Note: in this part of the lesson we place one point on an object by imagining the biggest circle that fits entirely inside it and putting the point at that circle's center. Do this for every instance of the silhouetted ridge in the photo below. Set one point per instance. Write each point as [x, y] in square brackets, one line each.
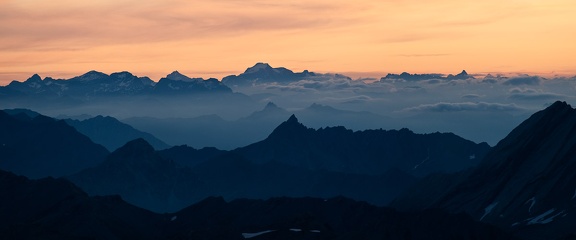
[51, 208]
[34, 78]
[291, 128]
[56, 209]
[366, 152]
[177, 76]
[135, 147]
[258, 67]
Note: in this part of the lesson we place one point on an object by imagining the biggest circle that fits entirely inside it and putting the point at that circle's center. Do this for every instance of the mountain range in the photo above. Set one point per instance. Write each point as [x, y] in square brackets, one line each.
[94, 84]
[371, 168]
[420, 77]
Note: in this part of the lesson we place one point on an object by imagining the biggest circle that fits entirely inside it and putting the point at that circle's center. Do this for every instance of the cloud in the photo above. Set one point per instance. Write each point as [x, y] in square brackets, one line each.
[523, 80]
[322, 82]
[533, 94]
[83, 24]
[463, 106]
[292, 88]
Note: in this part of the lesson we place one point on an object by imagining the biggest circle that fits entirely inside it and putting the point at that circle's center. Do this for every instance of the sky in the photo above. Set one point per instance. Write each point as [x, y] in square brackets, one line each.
[216, 38]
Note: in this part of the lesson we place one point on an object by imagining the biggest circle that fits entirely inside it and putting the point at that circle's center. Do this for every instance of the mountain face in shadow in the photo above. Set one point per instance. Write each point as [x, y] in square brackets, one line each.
[168, 180]
[188, 156]
[142, 177]
[41, 146]
[525, 184]
[234, 177]
[111, 133]
[364, 152]
[310, 218]
[56, 209]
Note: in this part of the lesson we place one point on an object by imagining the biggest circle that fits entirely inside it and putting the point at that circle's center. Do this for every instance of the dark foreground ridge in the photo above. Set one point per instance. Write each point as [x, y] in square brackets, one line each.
[526, 184]
[56, 209]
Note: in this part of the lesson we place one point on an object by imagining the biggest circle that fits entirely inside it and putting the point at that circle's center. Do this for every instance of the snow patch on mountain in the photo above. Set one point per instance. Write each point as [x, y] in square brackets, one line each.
[543, 218]
[253, 235]
[488, 210]
[532, 202]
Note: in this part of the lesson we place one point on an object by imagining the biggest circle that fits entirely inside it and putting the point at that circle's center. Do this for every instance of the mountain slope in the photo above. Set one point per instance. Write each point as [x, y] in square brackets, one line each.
[366, 152]
[111, 133]
[42, 146]
[56, 209]
[142, 177]
[233, 177]
[526, 183]
[155, 181]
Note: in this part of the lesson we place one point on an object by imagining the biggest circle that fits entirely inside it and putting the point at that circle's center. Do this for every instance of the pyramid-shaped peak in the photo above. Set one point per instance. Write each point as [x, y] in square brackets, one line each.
[270, 105]
[34, 78]
[258, 67]
[177, 76]
[292, 119]
[290, 127]
[463, 73]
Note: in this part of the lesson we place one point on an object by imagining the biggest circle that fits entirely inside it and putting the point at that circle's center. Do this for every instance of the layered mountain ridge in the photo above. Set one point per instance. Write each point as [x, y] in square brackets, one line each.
[56, 209]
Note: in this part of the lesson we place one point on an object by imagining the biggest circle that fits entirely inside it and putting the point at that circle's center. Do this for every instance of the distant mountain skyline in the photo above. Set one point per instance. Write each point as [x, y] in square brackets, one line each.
[273, 73]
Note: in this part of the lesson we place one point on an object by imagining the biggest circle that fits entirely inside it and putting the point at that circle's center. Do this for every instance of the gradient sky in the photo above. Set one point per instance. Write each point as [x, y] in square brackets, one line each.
[364, 38]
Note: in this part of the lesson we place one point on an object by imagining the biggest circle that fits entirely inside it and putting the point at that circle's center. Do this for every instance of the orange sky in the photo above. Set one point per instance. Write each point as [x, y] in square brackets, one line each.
[364, 38]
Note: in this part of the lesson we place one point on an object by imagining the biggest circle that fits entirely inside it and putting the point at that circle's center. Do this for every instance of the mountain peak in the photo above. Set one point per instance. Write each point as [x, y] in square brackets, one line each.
[270, 105]
[559, 105]
[292, 120]
[289, 130]
[122, 75]
[34, 78]
[177, 76]
[463, 73]
[258, 67]
[91, 75]
[138, 145]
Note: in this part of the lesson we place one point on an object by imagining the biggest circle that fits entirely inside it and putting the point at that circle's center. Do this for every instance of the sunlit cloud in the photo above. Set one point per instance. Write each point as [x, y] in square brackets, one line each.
[222, 36]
